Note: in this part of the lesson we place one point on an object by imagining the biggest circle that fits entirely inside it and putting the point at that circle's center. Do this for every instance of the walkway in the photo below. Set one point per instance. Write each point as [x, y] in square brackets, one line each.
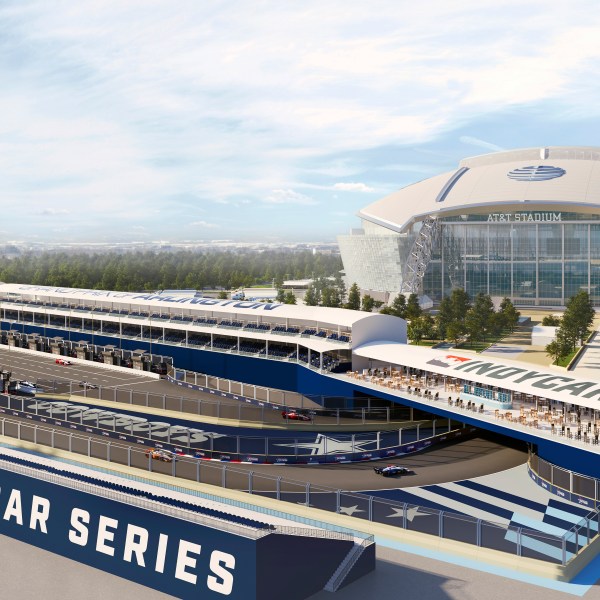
[588, 364]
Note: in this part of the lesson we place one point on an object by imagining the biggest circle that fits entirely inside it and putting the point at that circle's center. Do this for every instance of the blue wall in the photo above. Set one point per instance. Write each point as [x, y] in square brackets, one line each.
[293, 377]
[63, 501]
[258, 371]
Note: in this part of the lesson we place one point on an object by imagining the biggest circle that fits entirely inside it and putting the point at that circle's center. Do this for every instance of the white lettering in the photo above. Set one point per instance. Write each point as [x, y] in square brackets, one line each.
[135, 546]
[104, 535]
[184, 561]
[40, 511]
[223, 582]
[13, 507]
[79, 534]
[161, 553]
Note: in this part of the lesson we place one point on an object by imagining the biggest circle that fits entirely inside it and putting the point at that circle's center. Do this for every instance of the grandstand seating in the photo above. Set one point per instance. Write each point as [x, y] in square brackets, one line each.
[252, 347]
[125, 489]
[258, 326]
[224, 343]
[198, 339]
[57, 321]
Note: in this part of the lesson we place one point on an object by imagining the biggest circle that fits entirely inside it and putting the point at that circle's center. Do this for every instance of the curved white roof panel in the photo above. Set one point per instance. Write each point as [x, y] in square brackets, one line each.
[264, 311]
[547, 179]
[547, 382]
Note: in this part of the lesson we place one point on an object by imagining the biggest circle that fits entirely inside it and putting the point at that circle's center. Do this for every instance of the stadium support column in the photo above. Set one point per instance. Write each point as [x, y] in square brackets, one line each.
[320, 361]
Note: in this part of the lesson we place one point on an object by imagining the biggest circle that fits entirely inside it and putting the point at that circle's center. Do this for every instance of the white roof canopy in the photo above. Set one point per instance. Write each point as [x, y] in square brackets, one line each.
[546, 382]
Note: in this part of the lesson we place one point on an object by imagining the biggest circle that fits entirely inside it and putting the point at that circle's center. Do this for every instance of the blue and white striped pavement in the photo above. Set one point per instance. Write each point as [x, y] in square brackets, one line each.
[509, 498]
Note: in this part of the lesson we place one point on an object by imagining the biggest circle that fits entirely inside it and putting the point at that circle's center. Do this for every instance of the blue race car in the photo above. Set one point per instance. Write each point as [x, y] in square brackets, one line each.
[391, 470]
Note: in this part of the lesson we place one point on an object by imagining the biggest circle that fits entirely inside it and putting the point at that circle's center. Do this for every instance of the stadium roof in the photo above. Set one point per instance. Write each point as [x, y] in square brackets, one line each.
[545, 382]
[534, 179]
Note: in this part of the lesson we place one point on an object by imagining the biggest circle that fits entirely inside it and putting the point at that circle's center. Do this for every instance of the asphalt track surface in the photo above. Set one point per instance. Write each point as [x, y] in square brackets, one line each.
[468, 458]
[33, 573]
[131, 386]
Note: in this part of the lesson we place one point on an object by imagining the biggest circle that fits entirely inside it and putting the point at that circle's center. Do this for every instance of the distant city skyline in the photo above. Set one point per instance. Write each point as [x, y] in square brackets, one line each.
[270, 122]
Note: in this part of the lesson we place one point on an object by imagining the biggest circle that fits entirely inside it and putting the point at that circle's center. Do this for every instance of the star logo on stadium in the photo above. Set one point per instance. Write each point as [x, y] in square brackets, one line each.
[538, 173]
[328, 445]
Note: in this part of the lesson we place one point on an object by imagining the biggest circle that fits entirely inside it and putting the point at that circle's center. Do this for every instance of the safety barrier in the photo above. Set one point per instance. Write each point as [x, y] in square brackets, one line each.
[577, 488]
[242, 408]
[520, 541]
[182, 437]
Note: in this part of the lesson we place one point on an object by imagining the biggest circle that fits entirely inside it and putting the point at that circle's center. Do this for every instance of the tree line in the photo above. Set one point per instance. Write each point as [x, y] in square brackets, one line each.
[149, 270]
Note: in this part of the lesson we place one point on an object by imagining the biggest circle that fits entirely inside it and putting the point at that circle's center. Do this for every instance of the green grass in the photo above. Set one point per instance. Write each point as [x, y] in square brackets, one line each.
[477, 346]
[480, 346]
[426, 343]
[565, 360]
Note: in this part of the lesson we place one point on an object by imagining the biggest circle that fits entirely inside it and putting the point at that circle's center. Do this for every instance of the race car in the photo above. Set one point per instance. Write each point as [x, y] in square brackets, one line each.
[159, 454]
[391, 470]
[87, 385]
[293, 415]
[63, 361]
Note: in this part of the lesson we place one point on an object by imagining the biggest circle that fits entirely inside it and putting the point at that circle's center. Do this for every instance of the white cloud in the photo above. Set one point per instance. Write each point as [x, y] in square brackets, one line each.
[205, 224]
[288, 197]
[473, 141]
[54, 211]
[229, 102]
[352, 187]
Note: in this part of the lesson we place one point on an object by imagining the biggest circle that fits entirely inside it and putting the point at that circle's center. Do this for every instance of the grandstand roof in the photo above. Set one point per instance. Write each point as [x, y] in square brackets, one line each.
[188, 304]
[546, 382]
[482, 185]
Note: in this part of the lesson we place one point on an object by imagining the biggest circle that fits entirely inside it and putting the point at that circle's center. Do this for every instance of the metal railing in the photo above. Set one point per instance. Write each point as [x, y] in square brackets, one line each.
[301, 446]
[228, 404]
[520, 541]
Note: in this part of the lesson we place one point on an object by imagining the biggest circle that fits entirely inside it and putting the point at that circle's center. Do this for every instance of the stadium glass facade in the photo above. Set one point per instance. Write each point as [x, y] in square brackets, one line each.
[524, 224]
[541, 262]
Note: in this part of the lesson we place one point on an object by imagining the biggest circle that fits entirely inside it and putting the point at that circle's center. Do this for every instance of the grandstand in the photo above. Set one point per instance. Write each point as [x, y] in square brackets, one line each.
[314, 338]
[140, 520]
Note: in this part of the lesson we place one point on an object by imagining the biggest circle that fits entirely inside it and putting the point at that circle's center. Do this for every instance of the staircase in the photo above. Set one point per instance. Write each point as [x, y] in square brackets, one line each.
[420, 255]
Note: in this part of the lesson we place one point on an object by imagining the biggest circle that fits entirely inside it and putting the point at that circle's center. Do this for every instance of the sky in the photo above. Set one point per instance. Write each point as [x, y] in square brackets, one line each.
[270, 121]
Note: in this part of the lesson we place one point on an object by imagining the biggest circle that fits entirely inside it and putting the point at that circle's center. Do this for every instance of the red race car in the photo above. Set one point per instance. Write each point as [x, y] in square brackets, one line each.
[293, 415]
[63, 361]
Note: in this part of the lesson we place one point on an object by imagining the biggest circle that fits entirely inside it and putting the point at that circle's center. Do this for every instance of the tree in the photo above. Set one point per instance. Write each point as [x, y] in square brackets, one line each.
[413, 308]
[368, 303]
[452, 314]
[510, 314]
[330, 297]
[311, 298]
[289, 298]
[444, 317]
[280, 295]
[579, 316]
[551, 321]
[478, 320]
[398, 306]
[222, 295]
[559, 347]
[420, 328]
[353, 297]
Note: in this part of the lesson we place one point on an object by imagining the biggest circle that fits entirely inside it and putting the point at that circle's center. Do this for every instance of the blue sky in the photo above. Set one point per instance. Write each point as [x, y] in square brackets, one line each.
[268, 120]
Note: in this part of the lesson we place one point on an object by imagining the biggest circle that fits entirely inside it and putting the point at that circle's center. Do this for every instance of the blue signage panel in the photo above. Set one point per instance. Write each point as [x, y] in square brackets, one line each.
[177, 557]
